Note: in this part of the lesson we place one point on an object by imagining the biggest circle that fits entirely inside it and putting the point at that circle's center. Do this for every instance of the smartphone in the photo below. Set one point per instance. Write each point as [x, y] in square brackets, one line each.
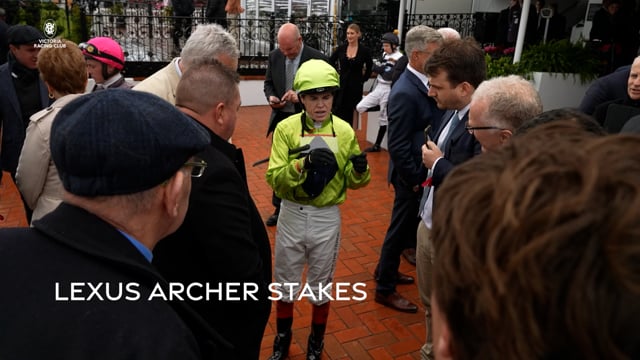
[427, 138]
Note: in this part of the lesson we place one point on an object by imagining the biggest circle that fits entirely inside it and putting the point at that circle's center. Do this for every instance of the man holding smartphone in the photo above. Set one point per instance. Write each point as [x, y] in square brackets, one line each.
[455, 70]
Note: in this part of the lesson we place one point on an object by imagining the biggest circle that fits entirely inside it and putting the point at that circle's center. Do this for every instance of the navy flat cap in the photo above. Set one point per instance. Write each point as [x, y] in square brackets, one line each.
[23, 34]
[120, 141]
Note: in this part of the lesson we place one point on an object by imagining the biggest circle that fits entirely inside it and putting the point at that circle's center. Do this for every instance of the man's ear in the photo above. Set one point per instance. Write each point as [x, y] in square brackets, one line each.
[466, 89]
[219, 113]
[172, 191]
[505, 136]
[442, 346]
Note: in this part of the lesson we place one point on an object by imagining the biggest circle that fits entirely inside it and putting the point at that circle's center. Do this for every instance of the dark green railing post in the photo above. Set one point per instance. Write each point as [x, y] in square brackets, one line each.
[68, 15]
[150, 20]
[84, 26]
[272, 32]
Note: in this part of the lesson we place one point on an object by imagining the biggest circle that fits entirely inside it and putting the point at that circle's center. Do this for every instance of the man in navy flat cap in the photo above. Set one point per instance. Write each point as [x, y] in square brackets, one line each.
[80, 283]
[23, 92]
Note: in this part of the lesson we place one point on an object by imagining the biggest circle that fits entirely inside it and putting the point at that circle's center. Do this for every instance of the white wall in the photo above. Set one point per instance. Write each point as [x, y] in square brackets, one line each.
[556, 91]
[441, 7]
[457, 6]
[489, 5]
[251, 92]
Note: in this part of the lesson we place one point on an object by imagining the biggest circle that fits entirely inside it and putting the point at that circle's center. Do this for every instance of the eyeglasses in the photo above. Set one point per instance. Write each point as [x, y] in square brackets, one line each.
[93, 51]
[197, 167]
[471, 129]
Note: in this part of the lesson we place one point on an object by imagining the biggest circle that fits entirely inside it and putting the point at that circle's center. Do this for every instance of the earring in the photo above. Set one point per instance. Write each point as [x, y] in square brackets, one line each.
[50, 96]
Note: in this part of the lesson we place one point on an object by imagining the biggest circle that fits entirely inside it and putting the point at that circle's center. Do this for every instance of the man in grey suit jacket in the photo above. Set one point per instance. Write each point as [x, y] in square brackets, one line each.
[278, 85]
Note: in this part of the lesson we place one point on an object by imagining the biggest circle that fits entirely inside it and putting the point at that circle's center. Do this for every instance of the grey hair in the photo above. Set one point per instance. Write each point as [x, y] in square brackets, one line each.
[449, 33]
[209, 41]
[207, 77]
[128, 205]
[419, 36]
[511, 100]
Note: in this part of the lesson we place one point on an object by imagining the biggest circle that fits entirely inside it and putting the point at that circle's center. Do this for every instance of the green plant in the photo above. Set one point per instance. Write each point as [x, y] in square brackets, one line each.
[117, 9]
[35, 13]
[561, 57]
[502, 66]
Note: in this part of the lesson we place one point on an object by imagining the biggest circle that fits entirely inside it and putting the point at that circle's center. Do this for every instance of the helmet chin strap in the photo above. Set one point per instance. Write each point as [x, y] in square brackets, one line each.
[303, 120]
[105, 74]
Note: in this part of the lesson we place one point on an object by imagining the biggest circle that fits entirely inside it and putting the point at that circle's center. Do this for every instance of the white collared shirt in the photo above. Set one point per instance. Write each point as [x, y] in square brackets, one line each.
[427, 211]
[421, 76]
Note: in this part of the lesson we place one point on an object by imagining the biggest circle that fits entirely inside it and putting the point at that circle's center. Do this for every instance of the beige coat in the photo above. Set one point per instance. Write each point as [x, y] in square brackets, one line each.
[37, 176]
[162, 83]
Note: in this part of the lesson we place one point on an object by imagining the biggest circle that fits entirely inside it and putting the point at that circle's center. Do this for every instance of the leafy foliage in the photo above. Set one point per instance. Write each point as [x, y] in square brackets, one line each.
[35, 13]
[502, 66]
[560, 56]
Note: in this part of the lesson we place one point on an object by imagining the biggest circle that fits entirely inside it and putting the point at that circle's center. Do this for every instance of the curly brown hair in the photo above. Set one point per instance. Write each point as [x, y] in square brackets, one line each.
[538, 249]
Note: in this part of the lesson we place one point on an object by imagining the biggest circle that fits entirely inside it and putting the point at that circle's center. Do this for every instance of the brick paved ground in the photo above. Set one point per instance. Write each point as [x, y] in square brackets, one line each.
[357, 329]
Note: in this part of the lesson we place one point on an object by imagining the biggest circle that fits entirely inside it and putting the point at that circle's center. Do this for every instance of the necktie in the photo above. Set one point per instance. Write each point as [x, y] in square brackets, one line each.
[447, 131]
[289, 74]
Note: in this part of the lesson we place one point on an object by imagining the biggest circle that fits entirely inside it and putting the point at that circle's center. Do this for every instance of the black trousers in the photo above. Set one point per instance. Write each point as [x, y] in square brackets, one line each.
[402, 229]
[181, 27]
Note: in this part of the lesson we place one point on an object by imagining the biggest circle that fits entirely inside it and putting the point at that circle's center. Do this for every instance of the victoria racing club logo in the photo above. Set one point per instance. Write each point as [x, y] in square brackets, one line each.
[50, 28]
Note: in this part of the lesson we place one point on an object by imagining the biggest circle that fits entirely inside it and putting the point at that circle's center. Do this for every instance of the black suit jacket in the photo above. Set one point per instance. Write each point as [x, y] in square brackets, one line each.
[401, 65]
[410, 110]
[68, 245]
[274, 81]
[612, 119]
[609, 87]
[461, 146]
[223, 240]
[13, 128]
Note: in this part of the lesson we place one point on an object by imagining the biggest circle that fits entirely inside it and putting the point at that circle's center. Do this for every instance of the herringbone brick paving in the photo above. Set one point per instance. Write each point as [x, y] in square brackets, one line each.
[357, 330]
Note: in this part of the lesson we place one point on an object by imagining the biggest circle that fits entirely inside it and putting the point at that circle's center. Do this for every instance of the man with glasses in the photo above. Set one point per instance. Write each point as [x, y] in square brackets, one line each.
[541, 238]
[85, 279]
[455, 71]
[223, 239]
[499, 106]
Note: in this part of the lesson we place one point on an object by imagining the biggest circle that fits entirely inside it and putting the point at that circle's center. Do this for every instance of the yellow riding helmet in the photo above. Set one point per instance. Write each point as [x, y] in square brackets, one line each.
[316, 76]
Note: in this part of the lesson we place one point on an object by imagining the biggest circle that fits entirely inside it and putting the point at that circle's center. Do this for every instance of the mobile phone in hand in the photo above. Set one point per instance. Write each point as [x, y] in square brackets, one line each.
[427, 138]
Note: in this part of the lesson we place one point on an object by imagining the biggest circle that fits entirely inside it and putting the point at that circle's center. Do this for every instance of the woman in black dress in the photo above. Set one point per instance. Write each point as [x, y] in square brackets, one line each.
[353, 62]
